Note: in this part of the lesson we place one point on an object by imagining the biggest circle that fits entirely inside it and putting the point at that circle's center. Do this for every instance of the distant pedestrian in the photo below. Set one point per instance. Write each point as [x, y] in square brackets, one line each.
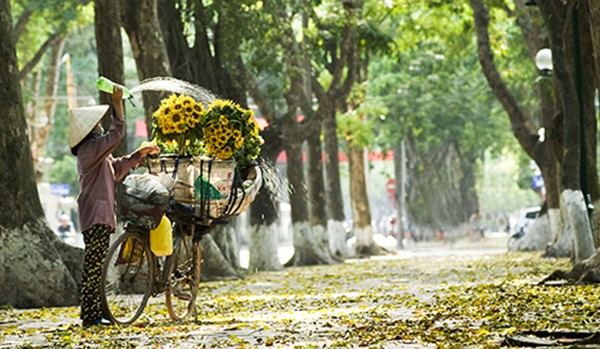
[98, 173]
[440, 233]
[65, 229]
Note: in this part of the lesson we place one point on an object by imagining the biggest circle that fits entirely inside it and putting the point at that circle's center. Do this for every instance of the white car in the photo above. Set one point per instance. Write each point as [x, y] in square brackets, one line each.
[525, 217]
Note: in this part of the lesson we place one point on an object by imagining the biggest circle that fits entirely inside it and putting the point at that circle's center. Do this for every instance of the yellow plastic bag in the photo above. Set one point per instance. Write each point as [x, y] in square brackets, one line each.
[161, 238]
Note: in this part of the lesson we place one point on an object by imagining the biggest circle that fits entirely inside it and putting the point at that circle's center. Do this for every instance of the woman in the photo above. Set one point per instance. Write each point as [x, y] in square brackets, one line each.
[98, 173]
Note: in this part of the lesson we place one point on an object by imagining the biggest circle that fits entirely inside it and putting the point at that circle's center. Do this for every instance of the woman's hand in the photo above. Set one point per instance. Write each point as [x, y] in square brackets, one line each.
[117, 97]
[148, 148]
[117, 94]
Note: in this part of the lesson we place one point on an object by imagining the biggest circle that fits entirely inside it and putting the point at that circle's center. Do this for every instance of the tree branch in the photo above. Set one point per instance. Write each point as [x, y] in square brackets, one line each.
[21, 23]
[38, 55]
[522, 126]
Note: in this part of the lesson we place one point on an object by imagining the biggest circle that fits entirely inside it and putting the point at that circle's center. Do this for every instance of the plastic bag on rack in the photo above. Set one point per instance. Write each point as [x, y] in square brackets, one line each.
[143, 199]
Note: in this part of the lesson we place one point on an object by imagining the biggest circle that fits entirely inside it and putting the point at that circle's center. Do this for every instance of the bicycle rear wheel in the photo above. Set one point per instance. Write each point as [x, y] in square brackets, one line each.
[127, 278]
[182, 272]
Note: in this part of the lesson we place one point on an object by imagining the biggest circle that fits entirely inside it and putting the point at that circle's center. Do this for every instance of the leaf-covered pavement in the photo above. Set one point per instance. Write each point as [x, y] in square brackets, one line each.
[430, 299]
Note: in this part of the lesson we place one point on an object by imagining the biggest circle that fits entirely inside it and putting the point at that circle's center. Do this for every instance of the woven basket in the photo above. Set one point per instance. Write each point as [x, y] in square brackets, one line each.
[186, 171]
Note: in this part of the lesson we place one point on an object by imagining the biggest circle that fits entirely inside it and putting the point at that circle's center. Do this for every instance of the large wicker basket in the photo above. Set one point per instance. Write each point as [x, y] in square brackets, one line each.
[229, 194]
[187, 171]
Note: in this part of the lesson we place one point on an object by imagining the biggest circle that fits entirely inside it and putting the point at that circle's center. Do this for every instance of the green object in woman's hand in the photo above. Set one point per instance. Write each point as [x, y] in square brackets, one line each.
[108, 86]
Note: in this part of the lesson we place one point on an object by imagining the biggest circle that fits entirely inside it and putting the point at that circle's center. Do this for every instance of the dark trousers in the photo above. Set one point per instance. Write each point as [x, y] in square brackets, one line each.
[96, 240]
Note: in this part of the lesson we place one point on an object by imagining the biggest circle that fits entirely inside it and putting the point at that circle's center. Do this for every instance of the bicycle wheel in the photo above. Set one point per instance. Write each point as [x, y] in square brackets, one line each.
[127, 278]
[182, 272]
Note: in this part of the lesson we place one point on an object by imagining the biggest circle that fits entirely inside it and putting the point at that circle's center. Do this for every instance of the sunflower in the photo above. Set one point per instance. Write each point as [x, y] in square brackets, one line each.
[177, 119]
[230, 131]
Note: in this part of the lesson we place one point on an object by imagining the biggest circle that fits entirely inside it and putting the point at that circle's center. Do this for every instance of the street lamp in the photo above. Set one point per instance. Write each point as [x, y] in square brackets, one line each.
[543, 61]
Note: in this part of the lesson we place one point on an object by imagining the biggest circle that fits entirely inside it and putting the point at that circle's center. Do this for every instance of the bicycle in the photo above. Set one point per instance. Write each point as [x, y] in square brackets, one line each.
[132, 273]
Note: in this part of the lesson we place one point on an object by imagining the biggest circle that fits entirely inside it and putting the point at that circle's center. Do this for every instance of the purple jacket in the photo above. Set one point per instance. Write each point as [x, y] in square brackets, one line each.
[98, 174]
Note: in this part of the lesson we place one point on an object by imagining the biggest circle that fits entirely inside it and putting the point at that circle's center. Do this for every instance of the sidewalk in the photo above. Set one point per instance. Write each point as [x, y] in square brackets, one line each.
[304, 307]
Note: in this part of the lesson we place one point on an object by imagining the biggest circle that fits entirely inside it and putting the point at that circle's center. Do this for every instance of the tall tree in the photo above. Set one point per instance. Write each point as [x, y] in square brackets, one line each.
[570, 93]
[335, 47]
[30, 252]
[557, 22]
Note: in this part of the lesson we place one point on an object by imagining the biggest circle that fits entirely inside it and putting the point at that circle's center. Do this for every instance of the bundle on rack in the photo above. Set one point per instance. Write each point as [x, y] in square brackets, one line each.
[204, 151]
[143, 199]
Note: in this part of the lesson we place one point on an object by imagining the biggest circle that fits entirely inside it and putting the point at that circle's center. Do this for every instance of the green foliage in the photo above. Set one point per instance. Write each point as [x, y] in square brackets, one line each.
[64, 170]
[47, 18]
[356, 125]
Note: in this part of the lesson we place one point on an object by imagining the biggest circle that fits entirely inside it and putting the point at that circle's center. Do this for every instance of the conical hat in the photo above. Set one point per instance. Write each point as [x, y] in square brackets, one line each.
[82, 121]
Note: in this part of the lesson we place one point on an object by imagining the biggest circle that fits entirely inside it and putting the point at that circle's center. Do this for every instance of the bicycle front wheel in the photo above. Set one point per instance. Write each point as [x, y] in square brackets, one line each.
[183, 276]
[127, 278]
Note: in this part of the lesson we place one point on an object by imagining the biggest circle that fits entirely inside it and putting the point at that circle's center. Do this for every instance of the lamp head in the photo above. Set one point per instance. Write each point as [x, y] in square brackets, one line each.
[543, 60]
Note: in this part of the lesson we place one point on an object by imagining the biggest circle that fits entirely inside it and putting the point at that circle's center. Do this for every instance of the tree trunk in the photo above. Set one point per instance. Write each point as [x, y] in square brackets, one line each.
[34, 274]
[264, 214]
[264, 211]
[435, 197]
[204, 62]
[316, 186]
[594, 23]
[568, 90]
[140, 20]
[590, 184]
[308, 247]
[110, 54]
[545, 155]
[226, 237]
[400, 181]
[361, 214]
[344, 69]
[32, 84]
[335, 202]
[217, 267]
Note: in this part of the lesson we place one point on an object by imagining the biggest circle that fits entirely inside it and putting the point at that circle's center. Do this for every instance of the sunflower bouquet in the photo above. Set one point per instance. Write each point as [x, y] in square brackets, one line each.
[203, 148]
[231, 132]
[176, 125]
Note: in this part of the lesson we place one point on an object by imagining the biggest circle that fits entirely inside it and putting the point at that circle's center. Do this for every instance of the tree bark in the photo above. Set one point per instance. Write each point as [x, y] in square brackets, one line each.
[363, 231]
[594, 23]
[109, 45]
[316, 181]
[335, 202]
[264, 211]
[216, 267]
[27, 255]
[140, 20]
[227, 239]
[212, 60]
[400, 181]
[567, 89]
